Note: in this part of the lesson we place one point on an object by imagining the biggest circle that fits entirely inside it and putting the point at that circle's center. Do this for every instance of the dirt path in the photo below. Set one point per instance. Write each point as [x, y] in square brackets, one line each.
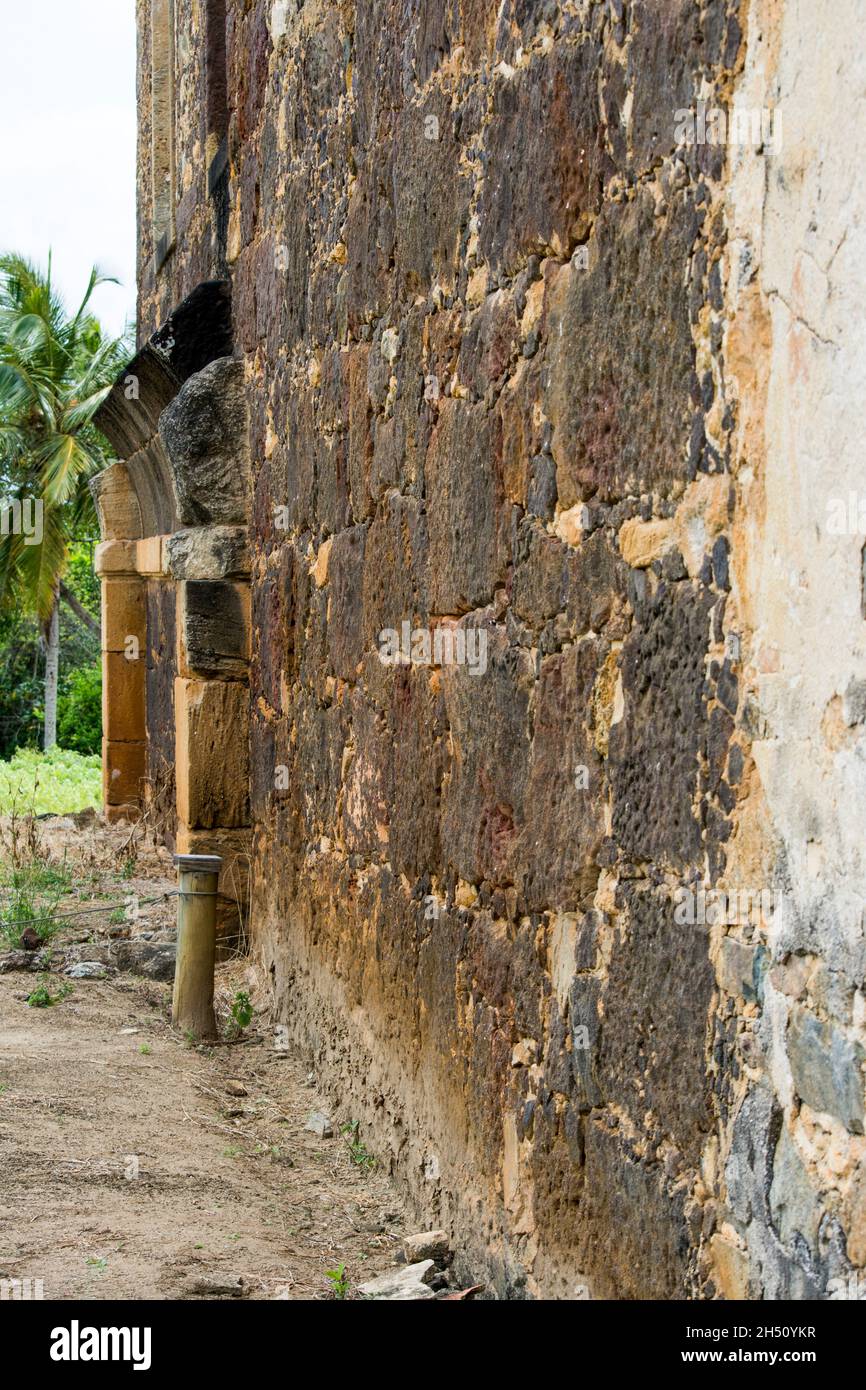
[129, 1170]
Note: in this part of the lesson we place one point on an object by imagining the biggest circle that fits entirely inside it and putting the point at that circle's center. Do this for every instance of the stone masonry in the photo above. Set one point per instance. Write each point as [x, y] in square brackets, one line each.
[531, 329]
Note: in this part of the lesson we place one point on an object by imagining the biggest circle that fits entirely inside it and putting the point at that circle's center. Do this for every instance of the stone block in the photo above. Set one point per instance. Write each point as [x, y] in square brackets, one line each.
[212, 753]
[467, 516]
[124, 615]
[827, 1068]
[542, 141]
[641, 542]
[736, 968]
[123, 773]
[123, 704]
[215, 628]
[794, 1203]
[209, 552]
[655, 1008]
[618, 419]
[730, 1268]
[654, 749]
[150, 556]
[116, 504]
[115, 558]
[427, 1245]
[633, 1231]
[564, 802]
[345, 601]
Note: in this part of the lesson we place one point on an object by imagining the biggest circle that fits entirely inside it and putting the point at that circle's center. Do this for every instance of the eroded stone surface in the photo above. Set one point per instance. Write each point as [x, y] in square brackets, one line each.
[518, 362]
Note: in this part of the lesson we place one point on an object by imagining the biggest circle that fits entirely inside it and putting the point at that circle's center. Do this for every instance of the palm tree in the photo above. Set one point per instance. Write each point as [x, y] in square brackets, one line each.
[55, 372]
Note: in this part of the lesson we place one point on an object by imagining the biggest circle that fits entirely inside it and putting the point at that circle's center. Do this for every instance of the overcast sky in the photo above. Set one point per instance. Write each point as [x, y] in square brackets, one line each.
[67, 143]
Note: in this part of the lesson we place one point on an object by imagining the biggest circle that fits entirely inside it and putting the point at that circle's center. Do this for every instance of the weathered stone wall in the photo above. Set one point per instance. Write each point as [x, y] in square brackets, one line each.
[523, 364]
[793, 1162]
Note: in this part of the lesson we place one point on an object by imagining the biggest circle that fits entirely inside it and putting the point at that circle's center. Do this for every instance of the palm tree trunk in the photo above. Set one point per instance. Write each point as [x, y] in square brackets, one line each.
[52, 672]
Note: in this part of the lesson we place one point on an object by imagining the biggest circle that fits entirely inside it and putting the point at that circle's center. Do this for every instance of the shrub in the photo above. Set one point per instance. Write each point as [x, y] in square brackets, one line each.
[28, 899]
[79, 715]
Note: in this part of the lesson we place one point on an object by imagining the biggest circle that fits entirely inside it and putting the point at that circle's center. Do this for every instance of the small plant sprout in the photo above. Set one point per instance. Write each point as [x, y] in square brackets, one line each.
[42, 998]
[241, 1013]
[358, 1151]
[339, 1281]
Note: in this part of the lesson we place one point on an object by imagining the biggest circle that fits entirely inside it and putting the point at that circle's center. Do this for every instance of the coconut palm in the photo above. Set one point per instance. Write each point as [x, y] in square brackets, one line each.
[55, 372]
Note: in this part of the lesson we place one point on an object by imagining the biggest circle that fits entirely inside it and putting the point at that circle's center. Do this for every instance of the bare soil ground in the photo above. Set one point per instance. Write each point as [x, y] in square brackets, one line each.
[128, 1167]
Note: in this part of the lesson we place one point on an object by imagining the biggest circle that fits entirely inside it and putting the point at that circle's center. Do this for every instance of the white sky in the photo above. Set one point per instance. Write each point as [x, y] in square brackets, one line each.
[67, 144]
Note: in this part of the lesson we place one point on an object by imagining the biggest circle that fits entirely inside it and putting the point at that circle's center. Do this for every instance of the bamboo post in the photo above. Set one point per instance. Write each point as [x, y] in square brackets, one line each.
[192, 1002]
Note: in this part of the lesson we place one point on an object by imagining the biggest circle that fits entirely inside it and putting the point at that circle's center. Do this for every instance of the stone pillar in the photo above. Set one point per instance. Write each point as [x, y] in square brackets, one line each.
[204, 432]
[124, 638]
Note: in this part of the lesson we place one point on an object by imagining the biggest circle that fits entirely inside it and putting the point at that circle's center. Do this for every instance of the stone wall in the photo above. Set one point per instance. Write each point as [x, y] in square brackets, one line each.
[547, 375]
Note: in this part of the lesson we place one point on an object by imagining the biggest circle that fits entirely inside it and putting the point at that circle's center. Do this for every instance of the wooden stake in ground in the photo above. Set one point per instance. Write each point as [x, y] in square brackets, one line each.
[192, 1004]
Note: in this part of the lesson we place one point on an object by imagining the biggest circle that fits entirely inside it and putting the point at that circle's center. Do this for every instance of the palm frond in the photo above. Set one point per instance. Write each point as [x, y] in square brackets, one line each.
[16, 391]
[55, 372]
[96, 279]
[39, 568]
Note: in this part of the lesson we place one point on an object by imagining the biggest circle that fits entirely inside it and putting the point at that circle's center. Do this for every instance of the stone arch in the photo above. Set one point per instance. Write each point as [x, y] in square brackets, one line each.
[174, 568]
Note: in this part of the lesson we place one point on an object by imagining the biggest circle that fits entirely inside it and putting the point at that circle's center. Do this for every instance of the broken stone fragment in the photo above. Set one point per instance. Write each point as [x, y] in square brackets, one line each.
[212, 1287]
[408, 1282]
[204, 432]
[87, 970]
[523, 1053]
[320, 1124]
[427, 1245]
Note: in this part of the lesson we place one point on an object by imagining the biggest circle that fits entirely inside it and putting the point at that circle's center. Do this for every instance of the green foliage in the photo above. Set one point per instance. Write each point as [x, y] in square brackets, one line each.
[55, 783]
[79, 712]
[339, 1280]
[56, 370]
[42, 998]
[242, 1010]
[358, 1152]
[21, 693]
[81, 576]
[29, 896]
[22, 666]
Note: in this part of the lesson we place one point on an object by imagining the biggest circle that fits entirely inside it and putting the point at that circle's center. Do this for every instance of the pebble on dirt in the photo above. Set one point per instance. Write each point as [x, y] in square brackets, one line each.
[86, 970]
[320, 1124]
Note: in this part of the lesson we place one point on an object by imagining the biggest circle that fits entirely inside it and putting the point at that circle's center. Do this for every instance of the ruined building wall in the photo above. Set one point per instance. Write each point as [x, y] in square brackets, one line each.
[521, 364]
[793, 1160]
